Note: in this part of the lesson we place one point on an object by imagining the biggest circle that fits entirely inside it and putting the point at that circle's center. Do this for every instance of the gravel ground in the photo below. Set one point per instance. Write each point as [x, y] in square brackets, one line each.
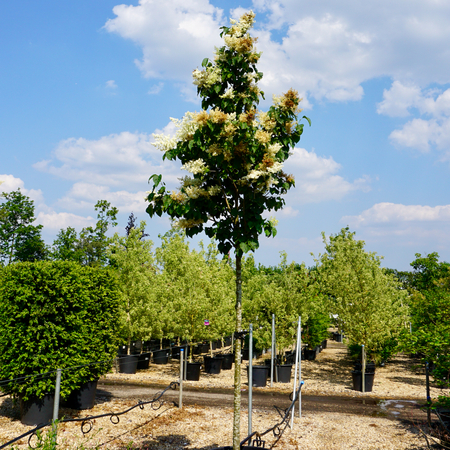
[206, 427]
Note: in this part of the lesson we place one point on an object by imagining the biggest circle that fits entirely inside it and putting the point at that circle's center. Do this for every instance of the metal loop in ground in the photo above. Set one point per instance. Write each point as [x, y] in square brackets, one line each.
[277, 431]
[86, 426]
[114, 419]
[141, 404]
[156, 404]
[31, 437]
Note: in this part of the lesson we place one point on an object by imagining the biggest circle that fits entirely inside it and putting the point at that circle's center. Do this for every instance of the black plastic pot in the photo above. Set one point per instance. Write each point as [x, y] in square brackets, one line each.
[260, 374]
[324, 344]
[357, 380]
[227, 362]
[310, 354]
[161, 356]
[143, 361]
[122, 350]
[84, 397]
[136, 347]
[192, 371]
[284, 373]
[213, 365]
[177, 350]
[128, 364]
[370, 367]
[36, 411]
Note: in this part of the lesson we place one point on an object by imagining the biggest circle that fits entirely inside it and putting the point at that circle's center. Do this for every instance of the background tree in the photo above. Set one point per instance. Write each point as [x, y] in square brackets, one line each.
[370, 306]
[134, 261]
[20, 240]
[235, 156]
[90, 246]
[430, 313]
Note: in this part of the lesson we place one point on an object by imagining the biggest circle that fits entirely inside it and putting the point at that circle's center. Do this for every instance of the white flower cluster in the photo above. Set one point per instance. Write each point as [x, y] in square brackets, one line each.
[229, 93]
[266, 122]
[273, 149]
[208, 77]
[187, 223]
[186, 127]
[195, 167]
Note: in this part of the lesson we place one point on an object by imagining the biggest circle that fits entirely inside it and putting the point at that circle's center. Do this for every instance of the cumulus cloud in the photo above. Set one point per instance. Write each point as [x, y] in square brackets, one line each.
[11, 183]
[121, 160]
[316, 178]
[174, 35]
[391, 213]
[111, 84]
[432, 126]
[325, 49]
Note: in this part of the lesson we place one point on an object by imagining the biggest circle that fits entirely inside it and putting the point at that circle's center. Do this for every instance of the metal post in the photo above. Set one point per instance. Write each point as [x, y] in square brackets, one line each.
[272, 351]
[56, 403]
[427, 380]
[180, 402]
[363, 368]
[298, 359]
[250, 380]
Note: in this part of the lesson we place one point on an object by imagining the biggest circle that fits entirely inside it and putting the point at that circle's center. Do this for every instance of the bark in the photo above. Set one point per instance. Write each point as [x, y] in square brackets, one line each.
[237, 356]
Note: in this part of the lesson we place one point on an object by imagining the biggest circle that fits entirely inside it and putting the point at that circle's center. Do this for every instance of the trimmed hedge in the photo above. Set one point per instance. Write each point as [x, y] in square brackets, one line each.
[56, 315]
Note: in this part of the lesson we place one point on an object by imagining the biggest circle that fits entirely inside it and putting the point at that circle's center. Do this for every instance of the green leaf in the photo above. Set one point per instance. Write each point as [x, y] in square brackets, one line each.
[205, 62]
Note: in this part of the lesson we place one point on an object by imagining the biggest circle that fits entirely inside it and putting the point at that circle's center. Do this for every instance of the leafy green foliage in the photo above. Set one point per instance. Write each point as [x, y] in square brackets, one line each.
[370, 304]
[91, 246]
[20, 240]
[430, 313]
[132, 257]
[55, 315]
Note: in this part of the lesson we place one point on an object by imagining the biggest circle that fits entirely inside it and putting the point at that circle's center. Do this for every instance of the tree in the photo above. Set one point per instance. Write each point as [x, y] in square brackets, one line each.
[235, 154]
[20, 240]
[133, 259]
[90, 247]
[430, 313]
[370, 306]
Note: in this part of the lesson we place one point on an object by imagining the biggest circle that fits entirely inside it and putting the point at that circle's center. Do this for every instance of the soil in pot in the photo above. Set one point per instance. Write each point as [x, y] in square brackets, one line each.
[143, 361]
[192, 371]
[284, 373]
[213, 365]
[128, 364]
[161, 356]
[260, 374]
[84, 397]
[35, 411]
[357, 380]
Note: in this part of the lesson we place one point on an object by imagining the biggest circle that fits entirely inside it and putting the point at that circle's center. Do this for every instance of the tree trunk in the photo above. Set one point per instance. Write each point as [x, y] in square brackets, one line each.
[237, 356]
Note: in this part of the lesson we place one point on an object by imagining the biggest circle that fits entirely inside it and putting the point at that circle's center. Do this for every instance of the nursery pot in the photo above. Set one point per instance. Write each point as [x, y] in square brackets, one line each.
[83, 397]
[227, 362]
[213, 365]
[284, 373]
[357, 380]
[143, 361]
[310, 354]
[128, 364]
[122, 350]
[161, 356]
[177, 350]
[192, 371]
[37, 411]
[136, 347]
[370, 367]
[260, 374]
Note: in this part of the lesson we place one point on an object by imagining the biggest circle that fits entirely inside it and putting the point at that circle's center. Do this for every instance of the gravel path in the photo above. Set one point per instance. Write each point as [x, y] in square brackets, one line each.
[334, 416]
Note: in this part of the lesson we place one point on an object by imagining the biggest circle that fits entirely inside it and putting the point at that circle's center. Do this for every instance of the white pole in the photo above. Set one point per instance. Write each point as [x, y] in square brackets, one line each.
[56, 402]
[181, 377]
[273, 350]
[363, 354]
[250, 380]
[298, 360]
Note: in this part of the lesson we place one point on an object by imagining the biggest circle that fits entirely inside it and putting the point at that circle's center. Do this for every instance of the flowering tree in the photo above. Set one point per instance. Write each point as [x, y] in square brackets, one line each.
[234, 154]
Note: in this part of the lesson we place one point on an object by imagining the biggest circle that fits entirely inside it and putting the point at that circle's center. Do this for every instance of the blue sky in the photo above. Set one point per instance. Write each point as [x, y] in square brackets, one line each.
[83, 85]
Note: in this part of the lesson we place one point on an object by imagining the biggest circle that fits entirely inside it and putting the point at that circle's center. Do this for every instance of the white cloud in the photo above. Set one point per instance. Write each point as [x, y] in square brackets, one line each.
[174, 35]
[121, 160]
[432, 128]
[391, 213]
[111, 84]
[54, 221]
[11, 183]
[327, 49]
[316, 178]
[156, 88]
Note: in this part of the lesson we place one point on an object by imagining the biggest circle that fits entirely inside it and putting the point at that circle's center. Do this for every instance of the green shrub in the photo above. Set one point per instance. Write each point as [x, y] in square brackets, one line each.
[55, 315]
